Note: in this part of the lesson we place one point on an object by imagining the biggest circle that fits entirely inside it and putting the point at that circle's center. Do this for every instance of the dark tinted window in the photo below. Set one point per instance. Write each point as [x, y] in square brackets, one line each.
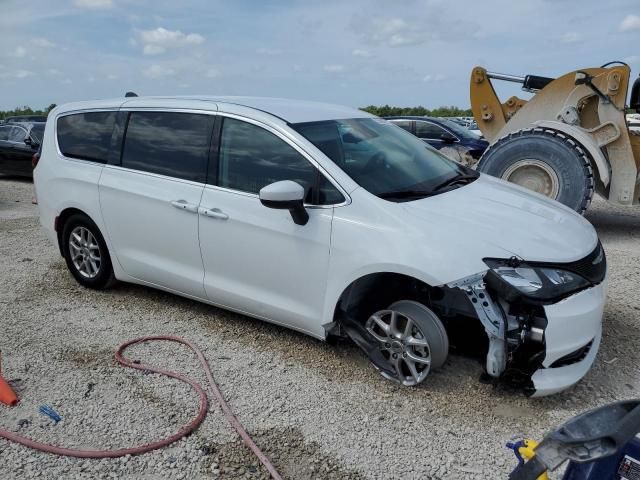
[86, 135]
[405, 124]
[37, 133]
[428, 130]
[168, 143]
[251, 158]
[4, 132]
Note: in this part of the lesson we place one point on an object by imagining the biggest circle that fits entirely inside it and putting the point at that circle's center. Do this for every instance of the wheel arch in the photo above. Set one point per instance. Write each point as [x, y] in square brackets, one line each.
[62, 218]
[375, 290]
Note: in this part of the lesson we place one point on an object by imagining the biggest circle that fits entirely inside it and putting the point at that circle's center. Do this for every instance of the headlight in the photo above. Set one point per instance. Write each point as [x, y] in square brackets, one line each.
[513, 280]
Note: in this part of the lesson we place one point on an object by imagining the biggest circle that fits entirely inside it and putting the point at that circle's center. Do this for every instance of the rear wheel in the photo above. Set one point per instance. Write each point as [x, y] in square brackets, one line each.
[411, 338]
[545, 161]
[86, 253]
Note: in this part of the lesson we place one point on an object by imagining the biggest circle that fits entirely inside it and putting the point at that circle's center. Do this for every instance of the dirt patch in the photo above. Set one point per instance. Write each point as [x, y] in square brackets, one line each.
[287, 449]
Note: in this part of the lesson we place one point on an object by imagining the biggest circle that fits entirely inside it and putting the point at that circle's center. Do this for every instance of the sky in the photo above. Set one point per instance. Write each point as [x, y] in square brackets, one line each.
[351, 52]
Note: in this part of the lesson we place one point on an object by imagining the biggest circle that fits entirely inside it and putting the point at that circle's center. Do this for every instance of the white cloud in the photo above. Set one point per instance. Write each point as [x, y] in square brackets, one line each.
[16, 74]
[571, 37]
[67, 81]
[359, 52]
[268, 51]
[42, 43]
[93, 4]
[54, 72]
[438, 77]
[153, 49]
[212, 73]
[160, 40]
[334, 68]
[395, 32]
[630, 23]
[112, 76]
[19, 52]
[158, 71]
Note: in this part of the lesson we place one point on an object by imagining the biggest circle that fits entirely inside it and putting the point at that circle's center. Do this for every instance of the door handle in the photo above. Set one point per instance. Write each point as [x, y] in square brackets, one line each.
[184, 205]
[213, 213]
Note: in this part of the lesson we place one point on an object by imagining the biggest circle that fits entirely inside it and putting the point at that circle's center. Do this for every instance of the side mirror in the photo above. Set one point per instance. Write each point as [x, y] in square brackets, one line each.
[28, 141]
[446, 137]
[286, 195]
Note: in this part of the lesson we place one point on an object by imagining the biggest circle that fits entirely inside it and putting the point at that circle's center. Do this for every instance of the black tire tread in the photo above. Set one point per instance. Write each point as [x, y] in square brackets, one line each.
[581, 154]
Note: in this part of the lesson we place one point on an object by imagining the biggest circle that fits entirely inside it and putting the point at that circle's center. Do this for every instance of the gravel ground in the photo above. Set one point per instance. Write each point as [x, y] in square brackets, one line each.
[319, 411]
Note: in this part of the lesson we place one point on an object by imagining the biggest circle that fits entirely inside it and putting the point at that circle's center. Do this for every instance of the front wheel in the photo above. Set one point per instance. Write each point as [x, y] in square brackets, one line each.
[411, 338]
[545, 161]
[86, 253]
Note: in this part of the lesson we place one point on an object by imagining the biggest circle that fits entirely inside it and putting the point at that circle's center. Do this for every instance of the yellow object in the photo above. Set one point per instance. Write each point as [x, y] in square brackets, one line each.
[586, 106]
[527, 452]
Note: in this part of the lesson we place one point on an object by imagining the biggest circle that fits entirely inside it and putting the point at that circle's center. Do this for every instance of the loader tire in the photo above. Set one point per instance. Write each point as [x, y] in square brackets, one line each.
[545, 161]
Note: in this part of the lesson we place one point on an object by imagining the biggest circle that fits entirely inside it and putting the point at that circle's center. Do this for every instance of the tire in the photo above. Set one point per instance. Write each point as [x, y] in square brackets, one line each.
[398, 350]
[546, 161]
[96, 274]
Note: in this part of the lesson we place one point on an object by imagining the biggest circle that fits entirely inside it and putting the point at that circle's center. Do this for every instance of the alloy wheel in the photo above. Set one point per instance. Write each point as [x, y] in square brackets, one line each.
[85, 252]
[402, 344]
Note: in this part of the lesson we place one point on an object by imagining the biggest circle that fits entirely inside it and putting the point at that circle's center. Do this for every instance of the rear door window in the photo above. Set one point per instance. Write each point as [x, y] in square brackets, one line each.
[168, 143]
[428, 130]
[404, 124]
[86, 136]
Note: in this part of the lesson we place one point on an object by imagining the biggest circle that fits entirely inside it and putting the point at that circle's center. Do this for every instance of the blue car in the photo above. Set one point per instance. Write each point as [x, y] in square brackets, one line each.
[440, 132]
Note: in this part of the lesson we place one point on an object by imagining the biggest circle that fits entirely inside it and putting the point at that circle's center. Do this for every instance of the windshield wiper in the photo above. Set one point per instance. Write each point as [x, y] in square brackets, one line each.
[463, 179]
[405, 194]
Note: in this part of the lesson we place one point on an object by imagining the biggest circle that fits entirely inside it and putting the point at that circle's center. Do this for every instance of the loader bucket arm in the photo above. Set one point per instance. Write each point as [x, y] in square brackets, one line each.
[490, 114]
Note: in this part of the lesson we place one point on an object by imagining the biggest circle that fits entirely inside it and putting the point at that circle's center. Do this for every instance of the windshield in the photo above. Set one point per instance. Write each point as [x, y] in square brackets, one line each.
[381, 157]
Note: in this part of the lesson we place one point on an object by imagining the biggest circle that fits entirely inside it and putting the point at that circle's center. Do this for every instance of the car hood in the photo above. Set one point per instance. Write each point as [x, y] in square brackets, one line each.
[493, 212]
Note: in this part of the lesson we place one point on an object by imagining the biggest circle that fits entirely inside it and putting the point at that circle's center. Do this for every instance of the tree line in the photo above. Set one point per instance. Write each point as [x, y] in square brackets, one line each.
[25, 110]
[389, 111]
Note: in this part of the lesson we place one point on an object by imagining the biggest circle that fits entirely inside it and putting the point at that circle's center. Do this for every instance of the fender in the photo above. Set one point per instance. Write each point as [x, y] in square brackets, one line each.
[586, 141]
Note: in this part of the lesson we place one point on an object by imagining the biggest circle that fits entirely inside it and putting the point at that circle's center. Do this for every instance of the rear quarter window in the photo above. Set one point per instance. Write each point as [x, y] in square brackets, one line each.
[86, 136]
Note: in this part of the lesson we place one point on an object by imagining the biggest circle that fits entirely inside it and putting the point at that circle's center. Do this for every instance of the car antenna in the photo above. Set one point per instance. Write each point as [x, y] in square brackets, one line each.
[130, 94]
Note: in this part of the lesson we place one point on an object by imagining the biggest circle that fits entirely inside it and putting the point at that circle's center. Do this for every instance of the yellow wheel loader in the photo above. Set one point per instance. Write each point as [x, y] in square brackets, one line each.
[569, 140]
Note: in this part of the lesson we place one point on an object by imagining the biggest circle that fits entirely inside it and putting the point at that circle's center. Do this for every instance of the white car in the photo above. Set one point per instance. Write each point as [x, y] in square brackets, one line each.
[329, 221]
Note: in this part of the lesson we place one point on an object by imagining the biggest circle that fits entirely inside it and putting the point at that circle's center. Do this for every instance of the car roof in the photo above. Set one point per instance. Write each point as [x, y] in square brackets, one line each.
[288, 110]
[414, 117]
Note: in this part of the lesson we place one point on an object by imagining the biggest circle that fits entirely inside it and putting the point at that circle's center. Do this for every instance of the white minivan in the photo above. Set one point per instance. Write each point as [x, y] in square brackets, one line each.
[329, 221]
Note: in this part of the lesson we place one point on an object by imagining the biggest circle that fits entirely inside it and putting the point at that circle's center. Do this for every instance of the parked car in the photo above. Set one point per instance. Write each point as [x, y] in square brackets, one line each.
[18, 143]
[329, 221]
[440, 133]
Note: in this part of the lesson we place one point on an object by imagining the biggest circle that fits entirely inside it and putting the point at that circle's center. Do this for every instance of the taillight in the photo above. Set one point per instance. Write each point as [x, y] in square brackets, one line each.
[34, 159]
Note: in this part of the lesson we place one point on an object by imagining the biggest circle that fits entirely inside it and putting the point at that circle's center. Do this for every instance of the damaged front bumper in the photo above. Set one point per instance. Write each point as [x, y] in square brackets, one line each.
[545, 348]
[572, 339]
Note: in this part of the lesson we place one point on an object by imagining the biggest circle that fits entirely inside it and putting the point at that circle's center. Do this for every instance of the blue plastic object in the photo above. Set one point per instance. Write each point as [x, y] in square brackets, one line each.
[516, 446]
[623, 466]
[50, 412]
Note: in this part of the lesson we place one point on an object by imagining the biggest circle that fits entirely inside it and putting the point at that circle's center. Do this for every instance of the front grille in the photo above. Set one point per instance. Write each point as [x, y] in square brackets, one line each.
[573, 357]
[593, 267]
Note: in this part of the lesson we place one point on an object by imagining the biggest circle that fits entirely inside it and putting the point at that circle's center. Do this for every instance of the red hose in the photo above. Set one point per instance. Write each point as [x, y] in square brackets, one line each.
[184, 431]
